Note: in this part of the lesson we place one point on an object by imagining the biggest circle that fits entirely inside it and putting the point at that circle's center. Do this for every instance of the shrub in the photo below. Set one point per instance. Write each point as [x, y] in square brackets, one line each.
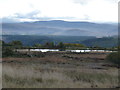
[7, 51]
[114, 58]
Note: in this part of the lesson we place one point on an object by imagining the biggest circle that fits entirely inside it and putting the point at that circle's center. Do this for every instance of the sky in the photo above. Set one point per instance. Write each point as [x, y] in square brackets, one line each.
[69, 10]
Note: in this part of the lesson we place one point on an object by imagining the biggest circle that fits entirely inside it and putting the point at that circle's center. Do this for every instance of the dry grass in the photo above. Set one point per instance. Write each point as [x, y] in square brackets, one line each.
[0, 76]
[32, 76]
[59, 70]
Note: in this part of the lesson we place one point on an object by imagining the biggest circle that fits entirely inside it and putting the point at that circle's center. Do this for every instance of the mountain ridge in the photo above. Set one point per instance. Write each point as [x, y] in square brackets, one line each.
[59, 27]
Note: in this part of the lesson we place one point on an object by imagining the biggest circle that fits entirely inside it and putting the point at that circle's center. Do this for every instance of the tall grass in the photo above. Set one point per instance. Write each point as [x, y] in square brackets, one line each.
[32, 76]
[0, 75]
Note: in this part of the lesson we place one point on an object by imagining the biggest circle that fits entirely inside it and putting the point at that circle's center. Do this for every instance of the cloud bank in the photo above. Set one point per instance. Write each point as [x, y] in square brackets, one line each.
[69, 10]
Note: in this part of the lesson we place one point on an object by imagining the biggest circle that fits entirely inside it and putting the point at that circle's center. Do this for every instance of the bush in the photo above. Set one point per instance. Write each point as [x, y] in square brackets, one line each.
[114, 58]
[7, 51]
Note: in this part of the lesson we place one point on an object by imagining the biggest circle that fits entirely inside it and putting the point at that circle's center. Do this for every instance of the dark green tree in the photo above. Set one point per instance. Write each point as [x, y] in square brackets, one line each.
[46, 44]
[61, 46]
[16, 44]
[7, 51]
[37, 45]
[49, 45]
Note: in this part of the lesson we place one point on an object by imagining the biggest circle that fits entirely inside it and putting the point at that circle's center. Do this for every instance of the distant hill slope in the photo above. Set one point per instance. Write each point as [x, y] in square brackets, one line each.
[32, 39]
[86, 40]
[102, 42]
[58, 27]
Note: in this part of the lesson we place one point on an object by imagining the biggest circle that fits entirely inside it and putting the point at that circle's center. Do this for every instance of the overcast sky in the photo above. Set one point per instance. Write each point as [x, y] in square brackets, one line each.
[68, 10]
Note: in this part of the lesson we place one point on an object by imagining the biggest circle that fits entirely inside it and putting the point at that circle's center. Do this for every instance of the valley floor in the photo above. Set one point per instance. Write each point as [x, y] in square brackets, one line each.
[60, 70]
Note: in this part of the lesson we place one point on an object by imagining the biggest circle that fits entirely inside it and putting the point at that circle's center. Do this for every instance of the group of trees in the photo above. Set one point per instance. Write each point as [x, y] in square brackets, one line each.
[8, 49]
[49, 45]
[13, 44]
[52, 45]
[60, 45]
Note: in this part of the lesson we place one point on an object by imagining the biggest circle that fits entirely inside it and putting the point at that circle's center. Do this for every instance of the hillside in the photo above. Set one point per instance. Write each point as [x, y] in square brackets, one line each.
[86, 40]
[32, 39]
[102, 42]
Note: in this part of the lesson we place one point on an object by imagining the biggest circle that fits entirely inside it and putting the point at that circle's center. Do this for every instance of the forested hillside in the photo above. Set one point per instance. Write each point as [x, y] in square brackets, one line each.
[86, 40]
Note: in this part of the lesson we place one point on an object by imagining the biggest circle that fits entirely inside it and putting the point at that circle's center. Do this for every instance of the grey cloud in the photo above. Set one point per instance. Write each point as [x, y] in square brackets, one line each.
[51, 18]
[30, 15]
[17, 18]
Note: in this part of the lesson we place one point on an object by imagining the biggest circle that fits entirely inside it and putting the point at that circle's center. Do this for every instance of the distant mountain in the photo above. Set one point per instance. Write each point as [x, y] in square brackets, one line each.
[58, 27]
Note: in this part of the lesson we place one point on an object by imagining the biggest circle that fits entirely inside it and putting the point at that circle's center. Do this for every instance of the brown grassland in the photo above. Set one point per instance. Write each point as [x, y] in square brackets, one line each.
[60, 70]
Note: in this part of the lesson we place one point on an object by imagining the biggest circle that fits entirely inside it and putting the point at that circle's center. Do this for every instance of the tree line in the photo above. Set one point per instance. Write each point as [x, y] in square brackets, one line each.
[8, 48]
[49, 45]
